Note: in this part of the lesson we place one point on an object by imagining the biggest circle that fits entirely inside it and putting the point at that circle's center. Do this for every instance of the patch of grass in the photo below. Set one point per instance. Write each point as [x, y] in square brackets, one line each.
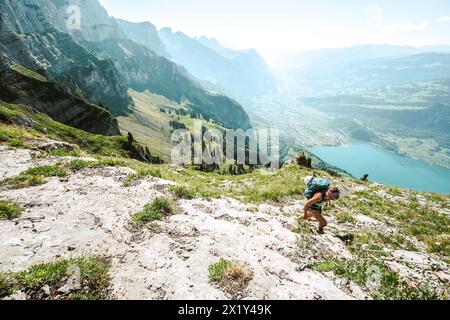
[231, 276]
[303, 227]
[396, 192]
[79, 164]
[46, 171]
[155, 210]
[93, 276]
[64, 153]
[15, 143]
[9, 210]
[8, 132]
[442, 200]
[438, 244]
[256, 187]
[34, 176]
[368, 245]
[3, 137]
[390, 287]
[28, 72]
[345, 217]
[142, 173]
[413, 218]
[217, 270]
[183, 192]
[108, 162]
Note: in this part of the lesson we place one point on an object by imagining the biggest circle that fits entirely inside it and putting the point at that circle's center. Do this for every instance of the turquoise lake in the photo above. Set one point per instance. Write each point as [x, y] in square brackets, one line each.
[359, 158]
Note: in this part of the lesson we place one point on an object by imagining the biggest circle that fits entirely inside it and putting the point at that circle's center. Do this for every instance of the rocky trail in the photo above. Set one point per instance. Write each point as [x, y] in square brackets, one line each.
[88, 213]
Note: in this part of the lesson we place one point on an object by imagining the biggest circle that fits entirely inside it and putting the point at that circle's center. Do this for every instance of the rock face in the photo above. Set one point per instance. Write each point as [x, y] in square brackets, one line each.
[32, 35]
[19, 85]
[95, 23]
[146, 34]
[301, 160]
[89, 214]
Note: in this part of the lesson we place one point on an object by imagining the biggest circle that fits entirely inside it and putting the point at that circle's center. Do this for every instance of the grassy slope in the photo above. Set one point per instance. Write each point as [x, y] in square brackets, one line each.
[150, 126]
[19, 123]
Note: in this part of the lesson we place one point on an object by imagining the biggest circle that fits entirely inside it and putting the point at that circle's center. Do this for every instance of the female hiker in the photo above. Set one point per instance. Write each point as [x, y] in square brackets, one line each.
[319, 194]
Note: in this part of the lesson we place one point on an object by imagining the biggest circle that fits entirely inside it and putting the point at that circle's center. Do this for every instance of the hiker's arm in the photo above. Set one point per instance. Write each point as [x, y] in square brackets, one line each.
[317, 198]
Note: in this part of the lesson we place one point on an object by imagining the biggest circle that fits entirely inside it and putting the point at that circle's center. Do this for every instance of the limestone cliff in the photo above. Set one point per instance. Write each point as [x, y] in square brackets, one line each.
[32, 33]
[24, 86]
[145, 34]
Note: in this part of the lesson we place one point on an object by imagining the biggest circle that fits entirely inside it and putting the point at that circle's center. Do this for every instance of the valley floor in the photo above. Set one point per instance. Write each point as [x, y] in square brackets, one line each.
[88, 213]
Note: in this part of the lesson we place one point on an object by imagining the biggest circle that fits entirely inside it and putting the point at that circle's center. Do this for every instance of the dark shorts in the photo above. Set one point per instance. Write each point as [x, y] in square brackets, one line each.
[315, 207]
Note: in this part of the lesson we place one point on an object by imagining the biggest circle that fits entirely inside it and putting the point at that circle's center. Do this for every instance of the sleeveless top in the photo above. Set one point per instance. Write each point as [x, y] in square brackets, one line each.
[319, 205]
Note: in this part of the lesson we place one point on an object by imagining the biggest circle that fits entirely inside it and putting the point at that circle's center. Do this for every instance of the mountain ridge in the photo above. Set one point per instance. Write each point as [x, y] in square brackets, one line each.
[241, 74]
[41, 40]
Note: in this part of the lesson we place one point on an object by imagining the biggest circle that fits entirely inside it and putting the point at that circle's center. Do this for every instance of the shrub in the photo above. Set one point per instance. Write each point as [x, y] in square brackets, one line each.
[345, 218]
[155, 210]
[79, 164]
[45, 171]
[64, 153]
[9, 210]
[183, 192]
[217, 270]
[93, 272]
[34, 176]
[15, 143]
[231, 276]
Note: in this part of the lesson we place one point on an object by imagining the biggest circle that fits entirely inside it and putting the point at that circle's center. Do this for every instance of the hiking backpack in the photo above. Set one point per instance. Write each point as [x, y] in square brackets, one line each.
[317, 185]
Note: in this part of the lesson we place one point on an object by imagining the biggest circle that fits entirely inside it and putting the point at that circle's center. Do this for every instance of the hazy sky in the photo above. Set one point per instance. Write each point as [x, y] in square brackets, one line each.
[277, 27]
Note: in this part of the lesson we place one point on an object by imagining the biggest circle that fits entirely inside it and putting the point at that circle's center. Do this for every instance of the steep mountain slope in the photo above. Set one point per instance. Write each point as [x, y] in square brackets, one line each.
[21, 125]
[215, 45]
[381, 243]
[155, 118]
[143, 70]
[242, 74]
[22, 86]
[95, 24]
[30, 33]
[146, 34]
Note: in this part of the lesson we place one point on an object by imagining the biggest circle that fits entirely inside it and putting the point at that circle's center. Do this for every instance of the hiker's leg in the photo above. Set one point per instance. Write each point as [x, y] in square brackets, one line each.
[322, 222]
[309, 215]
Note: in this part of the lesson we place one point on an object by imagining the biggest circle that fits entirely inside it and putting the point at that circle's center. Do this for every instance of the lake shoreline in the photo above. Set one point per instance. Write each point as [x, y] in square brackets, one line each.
[385, 166]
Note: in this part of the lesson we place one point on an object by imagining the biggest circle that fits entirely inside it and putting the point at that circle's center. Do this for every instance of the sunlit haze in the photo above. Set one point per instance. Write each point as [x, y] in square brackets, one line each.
[281, 27]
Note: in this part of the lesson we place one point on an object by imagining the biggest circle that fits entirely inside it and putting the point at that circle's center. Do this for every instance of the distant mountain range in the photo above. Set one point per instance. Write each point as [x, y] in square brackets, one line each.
[241, 74]
[373, 73]
[339, 56]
